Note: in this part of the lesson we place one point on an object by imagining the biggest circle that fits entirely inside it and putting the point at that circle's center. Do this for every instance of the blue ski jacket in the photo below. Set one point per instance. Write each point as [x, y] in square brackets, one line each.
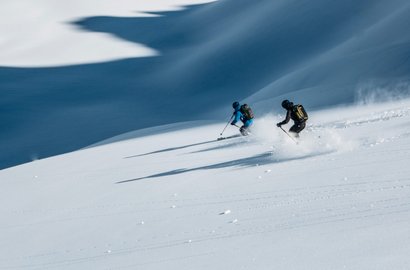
[238, 116]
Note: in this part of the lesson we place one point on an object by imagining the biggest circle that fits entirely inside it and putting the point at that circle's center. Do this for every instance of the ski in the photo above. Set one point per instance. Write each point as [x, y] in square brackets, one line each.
[228, 137]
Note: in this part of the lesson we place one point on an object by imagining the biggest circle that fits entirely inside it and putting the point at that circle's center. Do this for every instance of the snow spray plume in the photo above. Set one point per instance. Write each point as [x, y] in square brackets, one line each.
[376, 92]
[315, 140]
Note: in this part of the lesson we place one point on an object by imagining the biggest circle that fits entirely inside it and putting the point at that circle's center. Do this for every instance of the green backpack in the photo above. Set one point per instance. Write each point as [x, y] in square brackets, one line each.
[247, 111]
[300, 113]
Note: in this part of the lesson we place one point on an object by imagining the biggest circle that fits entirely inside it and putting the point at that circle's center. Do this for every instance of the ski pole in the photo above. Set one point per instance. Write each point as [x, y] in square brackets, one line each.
[227, 125]
[289, 135]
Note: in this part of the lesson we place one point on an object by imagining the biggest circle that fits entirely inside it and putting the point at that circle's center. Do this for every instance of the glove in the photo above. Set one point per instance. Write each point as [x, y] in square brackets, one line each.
[279, 124]
[232, 123]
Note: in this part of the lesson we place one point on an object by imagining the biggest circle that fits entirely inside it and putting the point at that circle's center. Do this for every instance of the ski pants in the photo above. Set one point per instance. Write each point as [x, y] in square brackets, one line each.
[297, 127]
[245, 127]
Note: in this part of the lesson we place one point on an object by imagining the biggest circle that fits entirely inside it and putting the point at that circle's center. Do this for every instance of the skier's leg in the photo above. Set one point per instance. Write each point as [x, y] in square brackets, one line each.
[293, 129]
[244, 130]
[301, 126]
[296, 128]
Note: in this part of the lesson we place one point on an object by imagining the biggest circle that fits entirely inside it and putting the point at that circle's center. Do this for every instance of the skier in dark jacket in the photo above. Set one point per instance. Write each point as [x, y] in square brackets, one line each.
[240, 116]
[292, 113]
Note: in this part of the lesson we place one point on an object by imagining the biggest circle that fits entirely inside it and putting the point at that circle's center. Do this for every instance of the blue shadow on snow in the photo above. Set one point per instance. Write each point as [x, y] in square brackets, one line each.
[262, 159]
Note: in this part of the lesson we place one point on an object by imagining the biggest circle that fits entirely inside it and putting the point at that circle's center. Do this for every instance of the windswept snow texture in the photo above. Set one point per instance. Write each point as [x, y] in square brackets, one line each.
[175, 198]
[316, 52]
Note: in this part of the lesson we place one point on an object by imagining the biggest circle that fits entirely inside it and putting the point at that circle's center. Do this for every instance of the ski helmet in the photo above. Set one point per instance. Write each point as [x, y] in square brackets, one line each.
[235, 104]
[286, 104]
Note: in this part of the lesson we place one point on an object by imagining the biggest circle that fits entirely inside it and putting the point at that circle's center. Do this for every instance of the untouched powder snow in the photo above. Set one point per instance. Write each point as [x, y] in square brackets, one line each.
[36, 34]
[175, 198]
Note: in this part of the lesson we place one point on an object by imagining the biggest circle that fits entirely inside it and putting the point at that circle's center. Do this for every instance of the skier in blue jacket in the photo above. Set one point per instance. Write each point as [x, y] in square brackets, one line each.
[242, 113]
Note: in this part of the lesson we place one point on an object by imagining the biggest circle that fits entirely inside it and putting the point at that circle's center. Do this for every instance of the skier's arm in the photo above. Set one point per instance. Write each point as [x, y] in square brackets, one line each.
[237, 117]
[286, 119]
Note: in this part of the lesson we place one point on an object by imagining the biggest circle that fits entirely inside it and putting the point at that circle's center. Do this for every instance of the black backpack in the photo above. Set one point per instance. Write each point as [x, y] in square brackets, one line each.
[247, 111]
[300, 113]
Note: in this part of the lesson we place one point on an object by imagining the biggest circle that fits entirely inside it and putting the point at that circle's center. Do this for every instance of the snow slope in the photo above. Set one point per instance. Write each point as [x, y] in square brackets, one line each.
[168, 195]
[319, 52]
[48, 31]
[174, 198]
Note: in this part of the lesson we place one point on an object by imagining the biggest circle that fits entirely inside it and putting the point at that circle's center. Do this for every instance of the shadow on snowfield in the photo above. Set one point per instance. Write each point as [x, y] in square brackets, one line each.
[227, 145]
[261, 159]
[171, 149]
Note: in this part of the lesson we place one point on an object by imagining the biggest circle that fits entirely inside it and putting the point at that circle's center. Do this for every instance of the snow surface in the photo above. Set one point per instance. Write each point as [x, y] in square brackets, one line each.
[173, 197]
[35, 34]
[149, 94]
[198, 60]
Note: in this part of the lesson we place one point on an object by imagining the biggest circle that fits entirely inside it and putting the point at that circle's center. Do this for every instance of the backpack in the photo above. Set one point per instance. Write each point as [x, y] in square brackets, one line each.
[300, 113]
[247, 111]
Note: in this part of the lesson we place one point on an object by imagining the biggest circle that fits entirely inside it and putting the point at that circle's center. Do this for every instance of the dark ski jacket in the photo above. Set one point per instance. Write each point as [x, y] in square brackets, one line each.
[290, 115]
